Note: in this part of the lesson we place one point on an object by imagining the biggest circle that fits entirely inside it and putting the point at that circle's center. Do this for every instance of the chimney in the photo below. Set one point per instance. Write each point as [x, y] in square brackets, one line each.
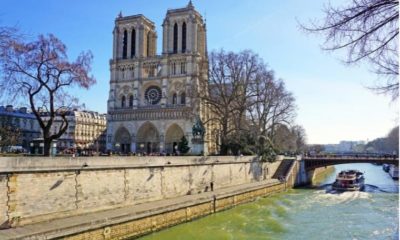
[23, 110]
[9, 108]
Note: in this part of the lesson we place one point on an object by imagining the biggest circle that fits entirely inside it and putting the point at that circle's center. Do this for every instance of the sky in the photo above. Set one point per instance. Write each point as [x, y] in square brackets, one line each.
[333, 101]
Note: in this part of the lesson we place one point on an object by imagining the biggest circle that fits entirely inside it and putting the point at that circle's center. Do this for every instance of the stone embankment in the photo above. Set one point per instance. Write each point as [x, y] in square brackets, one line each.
[119, 197]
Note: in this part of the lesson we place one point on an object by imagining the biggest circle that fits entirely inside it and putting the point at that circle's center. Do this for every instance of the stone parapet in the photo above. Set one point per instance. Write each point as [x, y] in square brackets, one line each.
[36, 189]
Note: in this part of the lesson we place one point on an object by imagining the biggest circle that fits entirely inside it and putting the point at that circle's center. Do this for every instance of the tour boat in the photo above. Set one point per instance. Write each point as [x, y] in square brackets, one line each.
[349, 180]
[394, 171]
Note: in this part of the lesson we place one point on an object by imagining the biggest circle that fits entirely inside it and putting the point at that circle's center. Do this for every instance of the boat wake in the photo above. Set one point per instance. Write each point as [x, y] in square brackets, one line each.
[333, 197]
[369, 188]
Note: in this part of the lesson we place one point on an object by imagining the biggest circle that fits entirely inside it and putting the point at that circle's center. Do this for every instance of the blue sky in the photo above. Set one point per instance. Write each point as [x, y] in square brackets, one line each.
[333, 102]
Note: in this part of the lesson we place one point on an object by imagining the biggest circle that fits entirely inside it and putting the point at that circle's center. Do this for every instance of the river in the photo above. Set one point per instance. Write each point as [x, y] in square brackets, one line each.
[308, 213]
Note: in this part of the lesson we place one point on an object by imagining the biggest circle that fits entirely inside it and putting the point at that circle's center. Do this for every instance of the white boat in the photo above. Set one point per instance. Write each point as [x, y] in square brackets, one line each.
[394, 171]
[349, 180]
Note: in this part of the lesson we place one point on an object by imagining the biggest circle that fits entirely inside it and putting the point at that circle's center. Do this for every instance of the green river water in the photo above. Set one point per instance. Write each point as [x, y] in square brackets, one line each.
[308, 213]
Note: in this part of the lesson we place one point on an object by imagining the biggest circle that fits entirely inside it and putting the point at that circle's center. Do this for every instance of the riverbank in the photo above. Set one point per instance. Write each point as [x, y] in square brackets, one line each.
[305, 213]
[121, 197]
[144, 218]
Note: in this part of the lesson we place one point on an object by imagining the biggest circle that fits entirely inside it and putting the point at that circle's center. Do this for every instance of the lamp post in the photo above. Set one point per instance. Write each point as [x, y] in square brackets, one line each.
[161, 149]
[142, 147]
[117, 145]
[32, 149]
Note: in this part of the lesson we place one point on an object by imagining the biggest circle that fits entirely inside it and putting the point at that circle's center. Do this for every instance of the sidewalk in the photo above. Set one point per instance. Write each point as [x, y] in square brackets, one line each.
[91, 221]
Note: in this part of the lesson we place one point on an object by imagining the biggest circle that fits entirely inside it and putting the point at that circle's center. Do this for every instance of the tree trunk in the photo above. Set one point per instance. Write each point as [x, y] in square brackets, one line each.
[47, 147]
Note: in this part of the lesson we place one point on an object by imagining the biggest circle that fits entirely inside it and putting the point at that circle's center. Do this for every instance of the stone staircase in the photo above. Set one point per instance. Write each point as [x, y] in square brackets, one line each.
[283, 169]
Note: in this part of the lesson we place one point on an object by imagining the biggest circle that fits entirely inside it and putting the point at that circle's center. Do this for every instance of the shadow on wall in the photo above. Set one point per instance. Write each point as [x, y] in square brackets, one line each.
[202, 159]
[256, 169]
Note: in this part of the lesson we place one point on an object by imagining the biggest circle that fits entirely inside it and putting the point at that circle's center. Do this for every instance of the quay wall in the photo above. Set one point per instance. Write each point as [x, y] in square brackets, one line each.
[178, 214]
[35, 189]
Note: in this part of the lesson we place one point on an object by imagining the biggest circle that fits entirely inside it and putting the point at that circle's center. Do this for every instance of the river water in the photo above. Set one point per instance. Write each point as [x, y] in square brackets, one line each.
[308, 213]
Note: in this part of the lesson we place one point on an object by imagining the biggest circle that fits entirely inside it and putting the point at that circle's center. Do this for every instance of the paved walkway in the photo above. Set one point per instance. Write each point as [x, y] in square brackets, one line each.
[90, 221]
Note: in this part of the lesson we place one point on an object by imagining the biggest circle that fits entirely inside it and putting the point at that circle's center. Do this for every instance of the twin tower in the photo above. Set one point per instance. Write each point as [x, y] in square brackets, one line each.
[183, 32]
[152, 100]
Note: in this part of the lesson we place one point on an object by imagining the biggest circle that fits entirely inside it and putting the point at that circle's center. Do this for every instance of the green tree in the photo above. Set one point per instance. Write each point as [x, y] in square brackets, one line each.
[183, 145]
[9, 136]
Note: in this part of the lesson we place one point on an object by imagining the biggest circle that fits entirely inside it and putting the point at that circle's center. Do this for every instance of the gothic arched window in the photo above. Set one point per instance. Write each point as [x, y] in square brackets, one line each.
[175, 38]
[183, 98]
[174, 98]
[184, 37]
[125, 45]
[123, 101]
[133, 43]
[130, 101]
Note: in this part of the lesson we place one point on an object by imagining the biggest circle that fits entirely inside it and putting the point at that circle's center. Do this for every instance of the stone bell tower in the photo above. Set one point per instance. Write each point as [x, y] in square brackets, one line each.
[184, 32]
[134, 37]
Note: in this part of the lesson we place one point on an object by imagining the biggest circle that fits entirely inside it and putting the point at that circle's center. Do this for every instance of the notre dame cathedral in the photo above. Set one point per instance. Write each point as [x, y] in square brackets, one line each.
[152, 100]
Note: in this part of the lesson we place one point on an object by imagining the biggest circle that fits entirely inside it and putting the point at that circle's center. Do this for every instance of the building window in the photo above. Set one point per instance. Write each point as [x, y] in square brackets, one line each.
[123, 101]
[174, 98]
[125, 45]
[122, 73]
[130, 101]
[133, 43]
[184, 37]
[153, 95]
[175, 38]
[183, 98]
[183, 68]
[173, 68]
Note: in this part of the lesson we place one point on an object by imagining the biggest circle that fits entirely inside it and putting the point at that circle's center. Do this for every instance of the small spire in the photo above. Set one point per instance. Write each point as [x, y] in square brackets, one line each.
[190, 4]
[120, 14]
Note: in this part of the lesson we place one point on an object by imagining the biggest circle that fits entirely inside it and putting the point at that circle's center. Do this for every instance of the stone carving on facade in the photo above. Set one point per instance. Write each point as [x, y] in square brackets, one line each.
[198, 129]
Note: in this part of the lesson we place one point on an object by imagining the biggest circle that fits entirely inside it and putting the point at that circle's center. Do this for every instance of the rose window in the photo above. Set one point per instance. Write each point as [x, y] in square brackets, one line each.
[153, 95]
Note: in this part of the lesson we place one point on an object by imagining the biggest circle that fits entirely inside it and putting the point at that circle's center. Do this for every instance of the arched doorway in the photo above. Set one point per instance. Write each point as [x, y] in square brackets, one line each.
[123, 140]
[148, 139]
[172, 138]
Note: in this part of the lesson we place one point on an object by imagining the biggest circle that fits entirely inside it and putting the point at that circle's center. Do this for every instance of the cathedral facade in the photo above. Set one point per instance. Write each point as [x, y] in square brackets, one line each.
[153, 99]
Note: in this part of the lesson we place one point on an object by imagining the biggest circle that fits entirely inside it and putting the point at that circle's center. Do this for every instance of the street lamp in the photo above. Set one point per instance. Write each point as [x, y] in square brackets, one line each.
[141, 147]
[117, 145]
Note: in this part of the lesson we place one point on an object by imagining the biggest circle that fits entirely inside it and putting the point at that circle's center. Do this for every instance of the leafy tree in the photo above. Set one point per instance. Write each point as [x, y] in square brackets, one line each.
[40, 73]
[369, 31]
[266, 149]
[9, 136]
[183, 145]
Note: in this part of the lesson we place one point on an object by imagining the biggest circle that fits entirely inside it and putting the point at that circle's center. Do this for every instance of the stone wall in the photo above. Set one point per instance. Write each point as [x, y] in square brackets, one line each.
[177, 215]
[40, 189]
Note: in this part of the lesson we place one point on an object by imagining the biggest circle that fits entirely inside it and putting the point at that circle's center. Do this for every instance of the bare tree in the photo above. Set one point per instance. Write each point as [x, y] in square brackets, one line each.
[40, 72]
[270, 105]
[392, 140]
[226, 95]
[368, 30]
[301, 138]
[244, 98]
